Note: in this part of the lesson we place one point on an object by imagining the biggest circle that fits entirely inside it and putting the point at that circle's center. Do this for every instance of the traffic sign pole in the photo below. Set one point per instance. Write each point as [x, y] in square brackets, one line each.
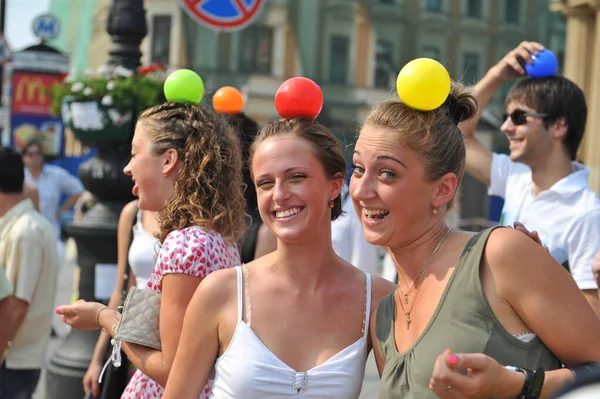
[2, 23]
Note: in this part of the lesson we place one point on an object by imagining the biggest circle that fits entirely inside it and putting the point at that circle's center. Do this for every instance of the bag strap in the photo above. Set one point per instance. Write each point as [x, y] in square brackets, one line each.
[125, 288]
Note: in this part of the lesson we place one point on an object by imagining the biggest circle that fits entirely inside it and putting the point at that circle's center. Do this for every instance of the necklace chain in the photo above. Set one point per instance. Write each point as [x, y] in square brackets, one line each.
[414, 284]
[418, 282]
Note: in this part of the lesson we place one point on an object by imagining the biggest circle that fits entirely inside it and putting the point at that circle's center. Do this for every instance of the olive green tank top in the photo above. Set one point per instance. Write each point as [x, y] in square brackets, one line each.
[463, 322]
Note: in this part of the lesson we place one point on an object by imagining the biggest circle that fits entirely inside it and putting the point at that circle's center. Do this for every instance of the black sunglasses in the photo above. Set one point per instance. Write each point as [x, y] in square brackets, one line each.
[519, 117]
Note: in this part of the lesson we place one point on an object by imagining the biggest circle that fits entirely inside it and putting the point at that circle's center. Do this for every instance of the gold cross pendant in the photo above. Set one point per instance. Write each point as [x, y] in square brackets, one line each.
[407, 320]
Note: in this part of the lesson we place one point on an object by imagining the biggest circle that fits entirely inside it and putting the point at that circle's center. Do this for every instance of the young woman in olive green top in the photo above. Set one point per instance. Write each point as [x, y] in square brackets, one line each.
[478, 302]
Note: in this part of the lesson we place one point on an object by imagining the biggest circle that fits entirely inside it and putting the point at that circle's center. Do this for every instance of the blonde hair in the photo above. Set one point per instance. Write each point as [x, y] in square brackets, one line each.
[208, 188]
[434, 135]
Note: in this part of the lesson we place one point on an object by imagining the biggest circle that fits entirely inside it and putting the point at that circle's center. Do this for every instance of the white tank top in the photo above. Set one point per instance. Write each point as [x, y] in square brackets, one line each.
[142, 253]
[249, 370]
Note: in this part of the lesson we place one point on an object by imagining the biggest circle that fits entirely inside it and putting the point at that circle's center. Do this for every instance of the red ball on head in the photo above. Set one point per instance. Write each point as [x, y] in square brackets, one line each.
[299, 97]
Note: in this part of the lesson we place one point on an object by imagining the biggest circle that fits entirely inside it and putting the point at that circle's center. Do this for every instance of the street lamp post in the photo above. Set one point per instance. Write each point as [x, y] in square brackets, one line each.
[96, 234]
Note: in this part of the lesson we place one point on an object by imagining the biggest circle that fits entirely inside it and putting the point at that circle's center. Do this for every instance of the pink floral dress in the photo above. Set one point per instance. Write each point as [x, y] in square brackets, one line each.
[190, 251]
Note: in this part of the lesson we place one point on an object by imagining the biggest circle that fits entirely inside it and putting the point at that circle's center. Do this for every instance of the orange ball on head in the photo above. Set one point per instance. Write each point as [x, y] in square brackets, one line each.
[228, 100]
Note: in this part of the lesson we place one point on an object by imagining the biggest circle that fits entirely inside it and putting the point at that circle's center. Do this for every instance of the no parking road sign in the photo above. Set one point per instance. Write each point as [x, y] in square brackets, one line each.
[223, 15]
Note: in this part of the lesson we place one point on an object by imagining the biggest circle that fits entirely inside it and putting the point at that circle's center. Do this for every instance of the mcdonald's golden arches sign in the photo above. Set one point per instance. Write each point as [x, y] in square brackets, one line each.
[29, 92]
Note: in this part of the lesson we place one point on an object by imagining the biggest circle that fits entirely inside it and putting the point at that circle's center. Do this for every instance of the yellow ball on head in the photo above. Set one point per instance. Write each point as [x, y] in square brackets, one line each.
[423, 84]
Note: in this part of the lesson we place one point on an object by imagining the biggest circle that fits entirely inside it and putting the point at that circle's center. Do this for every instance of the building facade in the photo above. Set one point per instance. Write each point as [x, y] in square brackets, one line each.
[353, 49]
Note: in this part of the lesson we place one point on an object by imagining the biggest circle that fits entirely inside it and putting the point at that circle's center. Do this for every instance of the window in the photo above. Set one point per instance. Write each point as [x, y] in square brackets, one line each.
[255, 50]
[161, 39]
[470, 67]
[431, 52]
[559, 18]
[384, 64]
[511, 11]
[474, 8]
[339, 59]
[433, 5]
[560, 56]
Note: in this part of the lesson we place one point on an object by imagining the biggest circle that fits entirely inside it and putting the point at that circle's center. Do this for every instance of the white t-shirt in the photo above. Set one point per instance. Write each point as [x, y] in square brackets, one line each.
[349, 240]
[566, 216]
[52, 184]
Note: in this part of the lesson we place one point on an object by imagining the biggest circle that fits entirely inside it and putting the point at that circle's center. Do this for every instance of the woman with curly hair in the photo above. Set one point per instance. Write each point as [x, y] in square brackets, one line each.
[184, 166]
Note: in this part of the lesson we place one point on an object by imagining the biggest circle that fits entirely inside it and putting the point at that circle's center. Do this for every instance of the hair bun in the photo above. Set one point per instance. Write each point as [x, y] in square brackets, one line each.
[453, 109]
[461, 103]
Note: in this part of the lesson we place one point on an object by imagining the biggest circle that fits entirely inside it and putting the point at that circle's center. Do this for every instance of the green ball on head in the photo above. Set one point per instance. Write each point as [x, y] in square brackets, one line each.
[184, 86]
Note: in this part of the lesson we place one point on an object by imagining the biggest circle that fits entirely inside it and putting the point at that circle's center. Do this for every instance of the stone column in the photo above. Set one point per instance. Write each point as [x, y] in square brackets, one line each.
[580, 27]
[591, 149]
[582, 66]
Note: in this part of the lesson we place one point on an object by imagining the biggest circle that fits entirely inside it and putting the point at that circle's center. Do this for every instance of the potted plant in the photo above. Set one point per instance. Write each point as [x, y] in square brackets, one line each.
[101, 107]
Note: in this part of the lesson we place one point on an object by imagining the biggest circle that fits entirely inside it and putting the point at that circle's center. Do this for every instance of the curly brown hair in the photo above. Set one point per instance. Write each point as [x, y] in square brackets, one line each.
[327, 148]
[208, 189]
[434, 135]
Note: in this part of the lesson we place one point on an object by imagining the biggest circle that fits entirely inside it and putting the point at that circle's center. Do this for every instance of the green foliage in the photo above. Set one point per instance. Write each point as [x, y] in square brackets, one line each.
[117, 87]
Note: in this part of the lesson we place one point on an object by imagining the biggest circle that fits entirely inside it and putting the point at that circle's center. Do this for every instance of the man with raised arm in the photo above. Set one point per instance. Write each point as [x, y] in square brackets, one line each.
[542, 185]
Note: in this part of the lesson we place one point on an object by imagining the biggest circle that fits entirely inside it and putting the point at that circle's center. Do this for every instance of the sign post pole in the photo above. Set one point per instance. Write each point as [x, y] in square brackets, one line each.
[2, 24]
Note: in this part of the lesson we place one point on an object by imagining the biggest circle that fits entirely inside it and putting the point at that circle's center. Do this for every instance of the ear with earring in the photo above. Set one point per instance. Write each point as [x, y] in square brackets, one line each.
[331, 204]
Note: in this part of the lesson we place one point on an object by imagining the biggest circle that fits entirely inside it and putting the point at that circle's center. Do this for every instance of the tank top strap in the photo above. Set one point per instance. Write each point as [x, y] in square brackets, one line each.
[139, 217]
[467, 276]
[246, 302]
[367, 315]
[240, 283]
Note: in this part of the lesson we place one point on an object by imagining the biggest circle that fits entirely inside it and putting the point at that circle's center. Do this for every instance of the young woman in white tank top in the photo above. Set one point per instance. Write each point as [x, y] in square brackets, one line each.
[143, 248]
[294, 322]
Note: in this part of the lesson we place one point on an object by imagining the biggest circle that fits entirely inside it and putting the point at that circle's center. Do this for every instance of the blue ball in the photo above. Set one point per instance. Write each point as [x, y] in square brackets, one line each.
[544, 64]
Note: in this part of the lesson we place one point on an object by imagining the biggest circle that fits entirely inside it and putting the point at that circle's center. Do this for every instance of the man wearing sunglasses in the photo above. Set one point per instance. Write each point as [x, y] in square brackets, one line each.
[542, 185]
